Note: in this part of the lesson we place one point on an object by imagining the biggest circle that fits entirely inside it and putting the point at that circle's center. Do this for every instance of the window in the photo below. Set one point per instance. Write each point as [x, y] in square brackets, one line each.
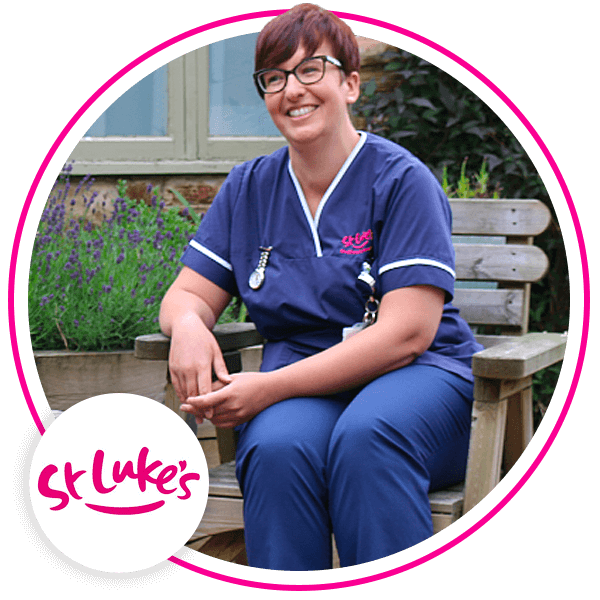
[199, 113]
[141, 111]
[235, 108]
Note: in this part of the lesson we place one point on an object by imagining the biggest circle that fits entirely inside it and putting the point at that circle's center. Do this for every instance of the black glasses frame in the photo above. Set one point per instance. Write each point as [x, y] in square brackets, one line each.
[325, 59]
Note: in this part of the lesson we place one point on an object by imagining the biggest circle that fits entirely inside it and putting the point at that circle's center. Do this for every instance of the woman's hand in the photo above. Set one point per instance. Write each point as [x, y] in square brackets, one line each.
[236, 402]
[193, 355]
[188, 312]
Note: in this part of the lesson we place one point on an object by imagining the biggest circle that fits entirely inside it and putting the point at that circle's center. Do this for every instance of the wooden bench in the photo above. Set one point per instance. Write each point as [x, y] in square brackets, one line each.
[496, 262]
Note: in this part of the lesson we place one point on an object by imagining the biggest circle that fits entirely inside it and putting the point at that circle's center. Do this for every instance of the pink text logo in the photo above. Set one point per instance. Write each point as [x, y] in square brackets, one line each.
[166, 479]
[357, 244]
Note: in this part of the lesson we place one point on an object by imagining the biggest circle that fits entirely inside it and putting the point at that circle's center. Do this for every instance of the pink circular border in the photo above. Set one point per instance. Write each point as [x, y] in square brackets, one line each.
[530, 129]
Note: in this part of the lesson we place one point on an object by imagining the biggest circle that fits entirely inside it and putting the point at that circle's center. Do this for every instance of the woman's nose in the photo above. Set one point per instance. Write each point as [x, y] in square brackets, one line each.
[294, 88]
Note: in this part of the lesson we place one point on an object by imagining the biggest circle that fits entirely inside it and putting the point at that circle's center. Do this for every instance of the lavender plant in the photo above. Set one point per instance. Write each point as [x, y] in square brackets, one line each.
[98, 286]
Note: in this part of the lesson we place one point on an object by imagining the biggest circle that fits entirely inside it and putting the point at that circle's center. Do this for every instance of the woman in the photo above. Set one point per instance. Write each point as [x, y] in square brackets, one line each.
[345, 429]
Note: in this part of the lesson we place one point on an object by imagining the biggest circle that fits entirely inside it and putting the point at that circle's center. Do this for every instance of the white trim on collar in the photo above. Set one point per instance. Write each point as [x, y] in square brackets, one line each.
[314, 223]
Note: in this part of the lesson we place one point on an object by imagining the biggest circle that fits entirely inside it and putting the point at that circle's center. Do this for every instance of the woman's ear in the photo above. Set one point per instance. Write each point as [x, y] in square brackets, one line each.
[352, 83]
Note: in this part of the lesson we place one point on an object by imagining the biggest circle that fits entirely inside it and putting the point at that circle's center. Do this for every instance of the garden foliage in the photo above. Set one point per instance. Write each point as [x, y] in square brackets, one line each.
[96, 282]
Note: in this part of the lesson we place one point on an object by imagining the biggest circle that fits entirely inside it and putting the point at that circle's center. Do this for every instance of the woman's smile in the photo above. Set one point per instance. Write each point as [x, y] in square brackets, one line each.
[300, 112]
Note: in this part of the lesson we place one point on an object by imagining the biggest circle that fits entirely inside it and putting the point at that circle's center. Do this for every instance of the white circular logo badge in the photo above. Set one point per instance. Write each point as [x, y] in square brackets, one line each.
[119, 483]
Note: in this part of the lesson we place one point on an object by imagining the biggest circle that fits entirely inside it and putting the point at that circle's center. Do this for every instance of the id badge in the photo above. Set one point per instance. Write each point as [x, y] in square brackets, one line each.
[348, 332]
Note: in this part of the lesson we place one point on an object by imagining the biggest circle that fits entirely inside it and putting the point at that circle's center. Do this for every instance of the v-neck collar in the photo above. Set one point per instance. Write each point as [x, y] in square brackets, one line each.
[314, 223]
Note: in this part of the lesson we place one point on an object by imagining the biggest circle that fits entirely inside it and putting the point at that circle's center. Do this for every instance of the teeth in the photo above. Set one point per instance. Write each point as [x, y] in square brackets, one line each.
[298, 112]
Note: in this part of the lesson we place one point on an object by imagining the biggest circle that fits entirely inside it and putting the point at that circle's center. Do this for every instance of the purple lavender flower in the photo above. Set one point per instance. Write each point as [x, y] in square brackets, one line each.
[134, 237]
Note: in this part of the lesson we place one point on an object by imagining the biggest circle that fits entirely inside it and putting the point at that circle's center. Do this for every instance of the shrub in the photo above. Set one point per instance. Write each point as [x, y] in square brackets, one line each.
[442, 122]
[95, 283]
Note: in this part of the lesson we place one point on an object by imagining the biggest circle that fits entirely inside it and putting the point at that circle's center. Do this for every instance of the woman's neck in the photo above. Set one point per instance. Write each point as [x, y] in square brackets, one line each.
[317, 165]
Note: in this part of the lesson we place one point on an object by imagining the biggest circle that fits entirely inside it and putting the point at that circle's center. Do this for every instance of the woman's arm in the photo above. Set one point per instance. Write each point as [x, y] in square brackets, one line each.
[407, 322]
[406, 326]
[188, 312]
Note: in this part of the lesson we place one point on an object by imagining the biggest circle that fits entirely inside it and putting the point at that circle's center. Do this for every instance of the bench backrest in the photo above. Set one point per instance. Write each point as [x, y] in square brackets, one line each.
[496, 261]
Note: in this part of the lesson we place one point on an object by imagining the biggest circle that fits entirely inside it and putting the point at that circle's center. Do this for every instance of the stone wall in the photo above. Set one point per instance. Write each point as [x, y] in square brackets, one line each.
[198, 189]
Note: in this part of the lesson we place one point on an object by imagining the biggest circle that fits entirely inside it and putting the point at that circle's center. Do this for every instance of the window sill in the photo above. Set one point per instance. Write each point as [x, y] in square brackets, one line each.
[161, 167]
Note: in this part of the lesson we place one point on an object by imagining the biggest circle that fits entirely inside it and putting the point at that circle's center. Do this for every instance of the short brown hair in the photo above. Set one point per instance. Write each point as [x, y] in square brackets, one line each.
[307, 25]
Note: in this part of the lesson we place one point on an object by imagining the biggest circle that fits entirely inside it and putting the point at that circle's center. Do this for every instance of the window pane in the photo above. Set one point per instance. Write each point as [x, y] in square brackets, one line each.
[235, 106]
[140, 111]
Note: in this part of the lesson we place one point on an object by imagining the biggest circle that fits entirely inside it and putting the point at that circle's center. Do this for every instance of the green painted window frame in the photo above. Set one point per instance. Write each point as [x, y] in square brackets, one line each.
[188, 148]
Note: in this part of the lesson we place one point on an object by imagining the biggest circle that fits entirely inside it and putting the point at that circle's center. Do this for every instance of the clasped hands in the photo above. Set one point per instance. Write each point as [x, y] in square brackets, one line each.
[228, 401]
[233, 400]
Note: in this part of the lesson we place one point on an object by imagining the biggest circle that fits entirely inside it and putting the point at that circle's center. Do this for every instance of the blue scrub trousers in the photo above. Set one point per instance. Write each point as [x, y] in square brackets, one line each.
[359, 465]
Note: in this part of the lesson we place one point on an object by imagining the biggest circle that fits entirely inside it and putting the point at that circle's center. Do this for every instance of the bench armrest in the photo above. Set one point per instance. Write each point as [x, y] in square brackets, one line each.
[231, 336]
[520, 357]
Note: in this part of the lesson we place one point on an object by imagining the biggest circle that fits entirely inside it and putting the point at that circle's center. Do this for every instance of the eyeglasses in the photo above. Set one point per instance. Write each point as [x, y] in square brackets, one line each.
[310, 70]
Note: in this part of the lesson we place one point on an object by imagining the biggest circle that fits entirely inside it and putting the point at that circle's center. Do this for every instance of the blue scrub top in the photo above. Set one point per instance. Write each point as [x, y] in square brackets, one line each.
[384, 205]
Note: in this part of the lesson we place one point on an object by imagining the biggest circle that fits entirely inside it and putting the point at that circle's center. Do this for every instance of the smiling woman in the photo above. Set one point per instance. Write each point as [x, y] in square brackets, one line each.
[349, 233]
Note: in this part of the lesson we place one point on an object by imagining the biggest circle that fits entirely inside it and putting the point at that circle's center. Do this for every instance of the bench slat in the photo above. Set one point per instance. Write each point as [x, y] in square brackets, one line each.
[500, 262]
[499, 217]
[490, 307]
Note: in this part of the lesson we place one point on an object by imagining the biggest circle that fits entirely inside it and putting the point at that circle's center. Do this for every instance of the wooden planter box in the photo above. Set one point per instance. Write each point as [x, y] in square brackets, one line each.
[69, 377]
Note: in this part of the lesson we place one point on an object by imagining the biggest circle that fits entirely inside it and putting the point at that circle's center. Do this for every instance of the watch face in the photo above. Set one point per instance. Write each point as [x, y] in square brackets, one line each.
[256, 279]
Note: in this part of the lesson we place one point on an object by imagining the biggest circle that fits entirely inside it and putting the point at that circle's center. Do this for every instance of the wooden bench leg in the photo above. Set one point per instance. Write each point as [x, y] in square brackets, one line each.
[519, 429]
[493, 446]
[485, 451]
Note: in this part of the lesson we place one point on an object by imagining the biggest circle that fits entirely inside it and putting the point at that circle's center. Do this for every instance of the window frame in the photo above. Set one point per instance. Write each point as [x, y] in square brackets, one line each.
[188, 148]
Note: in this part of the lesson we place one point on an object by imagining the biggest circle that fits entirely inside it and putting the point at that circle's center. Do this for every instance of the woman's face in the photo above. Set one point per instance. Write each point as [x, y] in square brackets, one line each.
[317, 112]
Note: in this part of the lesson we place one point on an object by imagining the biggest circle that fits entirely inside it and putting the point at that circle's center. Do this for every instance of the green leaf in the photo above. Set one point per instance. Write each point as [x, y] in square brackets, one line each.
[370, 88]
[392, 66]
[423, 102]
[195, 216]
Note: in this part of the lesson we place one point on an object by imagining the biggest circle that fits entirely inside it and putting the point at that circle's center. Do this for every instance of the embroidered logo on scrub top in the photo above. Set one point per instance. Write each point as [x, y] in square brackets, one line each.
[357, 244]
